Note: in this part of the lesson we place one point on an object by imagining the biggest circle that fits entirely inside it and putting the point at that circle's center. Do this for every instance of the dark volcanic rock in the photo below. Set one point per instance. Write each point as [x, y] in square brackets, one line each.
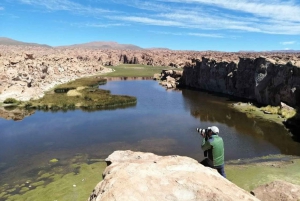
[261, 79]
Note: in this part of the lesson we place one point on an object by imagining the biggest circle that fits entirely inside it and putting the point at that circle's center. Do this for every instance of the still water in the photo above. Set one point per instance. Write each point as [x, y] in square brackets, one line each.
[163, 122]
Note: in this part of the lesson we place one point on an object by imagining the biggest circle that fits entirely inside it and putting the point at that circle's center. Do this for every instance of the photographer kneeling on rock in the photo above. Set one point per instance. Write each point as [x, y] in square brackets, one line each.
[213, 147]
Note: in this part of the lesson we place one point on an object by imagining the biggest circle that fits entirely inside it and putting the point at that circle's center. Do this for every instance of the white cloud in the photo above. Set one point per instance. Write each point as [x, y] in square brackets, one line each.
[206, 35]
[97, 25]
[167, 33]
[189, 34]
[288, 42]
[260, 16]
[277, 17]
[149, 21]
[65, 5]
[282, 10]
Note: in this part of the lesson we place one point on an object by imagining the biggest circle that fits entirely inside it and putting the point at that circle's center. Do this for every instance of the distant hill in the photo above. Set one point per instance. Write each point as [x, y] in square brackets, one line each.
[270, 51]
[286, 51]
[104, 45]
[158, 48]
[8, 41]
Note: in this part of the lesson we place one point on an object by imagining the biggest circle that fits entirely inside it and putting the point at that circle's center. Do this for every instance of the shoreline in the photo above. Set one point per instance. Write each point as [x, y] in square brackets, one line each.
[255, 112]
[38, 92]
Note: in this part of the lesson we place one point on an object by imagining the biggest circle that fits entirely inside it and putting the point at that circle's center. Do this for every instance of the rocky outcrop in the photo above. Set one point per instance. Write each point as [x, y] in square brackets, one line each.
[146, 176]
[262, 79]
[170, 78]
[277, 191]
[27, 71]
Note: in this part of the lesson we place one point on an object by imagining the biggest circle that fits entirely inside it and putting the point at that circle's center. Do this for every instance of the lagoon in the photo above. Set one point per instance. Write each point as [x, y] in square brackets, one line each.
[163, 122]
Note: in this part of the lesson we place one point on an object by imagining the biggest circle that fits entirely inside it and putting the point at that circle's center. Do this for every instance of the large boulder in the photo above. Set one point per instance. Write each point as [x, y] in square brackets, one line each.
[146, 176]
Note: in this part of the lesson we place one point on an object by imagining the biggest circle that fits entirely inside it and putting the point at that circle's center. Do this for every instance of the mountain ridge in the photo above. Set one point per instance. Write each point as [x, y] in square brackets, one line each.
[103, 45]
[9, 41]
[111, 45]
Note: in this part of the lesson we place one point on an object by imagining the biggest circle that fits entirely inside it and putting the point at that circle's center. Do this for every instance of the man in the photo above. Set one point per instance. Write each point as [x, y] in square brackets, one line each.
[214, 146]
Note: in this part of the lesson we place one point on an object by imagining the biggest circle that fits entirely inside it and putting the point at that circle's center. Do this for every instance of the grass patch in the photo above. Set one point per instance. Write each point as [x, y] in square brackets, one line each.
[283, 112]
[88, 81]
[10, 101]
[269, 113]
[82, 93]
[270, 109]
[135, 70]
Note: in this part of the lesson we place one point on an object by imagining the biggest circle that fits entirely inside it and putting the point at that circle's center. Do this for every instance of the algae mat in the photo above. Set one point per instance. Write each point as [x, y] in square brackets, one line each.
[251, 173]
[72, 186]
[77, 185]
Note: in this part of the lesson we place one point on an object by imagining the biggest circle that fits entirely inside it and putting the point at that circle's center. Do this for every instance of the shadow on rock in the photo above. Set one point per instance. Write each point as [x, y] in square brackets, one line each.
[293, 124]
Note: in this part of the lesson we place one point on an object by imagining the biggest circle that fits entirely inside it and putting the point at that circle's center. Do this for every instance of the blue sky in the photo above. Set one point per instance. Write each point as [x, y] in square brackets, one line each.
[221, 25]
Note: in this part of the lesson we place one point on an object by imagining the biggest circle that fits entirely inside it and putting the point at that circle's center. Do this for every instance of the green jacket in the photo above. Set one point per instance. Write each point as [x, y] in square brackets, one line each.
[215, 147]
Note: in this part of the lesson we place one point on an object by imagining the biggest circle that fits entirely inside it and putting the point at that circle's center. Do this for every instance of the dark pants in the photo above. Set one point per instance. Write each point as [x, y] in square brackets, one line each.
[208, 163]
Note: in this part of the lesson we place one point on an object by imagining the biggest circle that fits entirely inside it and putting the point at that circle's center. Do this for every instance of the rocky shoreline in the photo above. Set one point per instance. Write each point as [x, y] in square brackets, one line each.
[262, 81]
[267, 78]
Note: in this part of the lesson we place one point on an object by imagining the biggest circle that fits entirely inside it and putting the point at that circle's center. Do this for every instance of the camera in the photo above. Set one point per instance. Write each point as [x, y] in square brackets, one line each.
[203, 131]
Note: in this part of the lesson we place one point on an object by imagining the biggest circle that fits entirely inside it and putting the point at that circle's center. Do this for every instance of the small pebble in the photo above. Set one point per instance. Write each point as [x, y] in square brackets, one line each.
[74, 185]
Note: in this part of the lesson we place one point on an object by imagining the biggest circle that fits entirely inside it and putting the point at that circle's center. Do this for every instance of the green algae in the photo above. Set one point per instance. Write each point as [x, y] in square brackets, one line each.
[39, 183]
[54, 160]
[24, 189]
[45, 176]
[11, 190]
[246, 173]
[3, 194]
[62, 186]
[250, 174]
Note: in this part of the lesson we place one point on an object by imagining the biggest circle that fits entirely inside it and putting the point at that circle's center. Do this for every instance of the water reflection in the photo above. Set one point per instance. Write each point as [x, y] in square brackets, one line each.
[214, 109]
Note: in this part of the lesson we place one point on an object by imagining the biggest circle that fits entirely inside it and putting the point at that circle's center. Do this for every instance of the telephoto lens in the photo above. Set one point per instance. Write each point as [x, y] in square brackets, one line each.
[199, 130]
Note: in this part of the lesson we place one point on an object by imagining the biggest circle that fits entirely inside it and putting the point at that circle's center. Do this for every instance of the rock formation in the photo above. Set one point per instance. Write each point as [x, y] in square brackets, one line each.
[170, 78]
[262, 79]
[28, 71]
[146, 176]
[277, 191]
